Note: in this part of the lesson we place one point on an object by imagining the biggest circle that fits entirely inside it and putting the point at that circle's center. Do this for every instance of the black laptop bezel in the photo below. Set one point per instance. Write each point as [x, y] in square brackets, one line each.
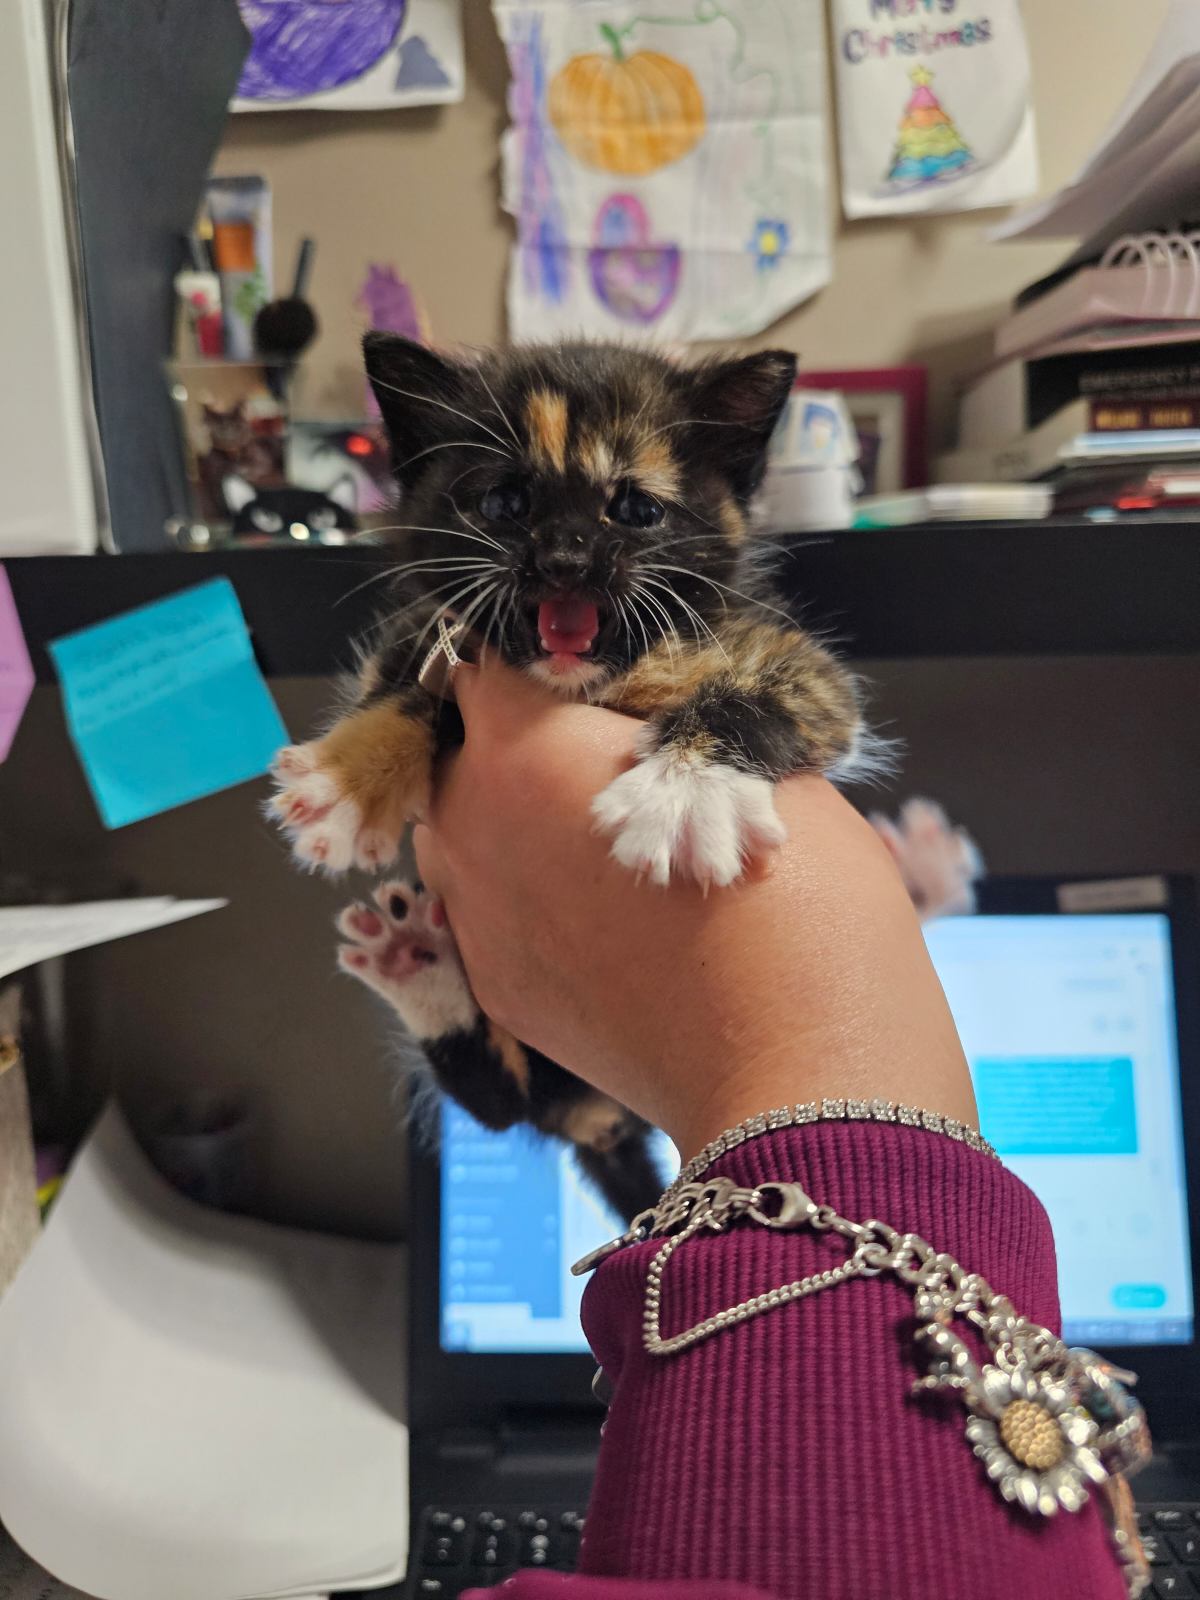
[471, 1389]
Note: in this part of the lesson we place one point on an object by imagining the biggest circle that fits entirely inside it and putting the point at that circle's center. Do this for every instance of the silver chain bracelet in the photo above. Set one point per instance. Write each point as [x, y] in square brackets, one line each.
[1048, 1422]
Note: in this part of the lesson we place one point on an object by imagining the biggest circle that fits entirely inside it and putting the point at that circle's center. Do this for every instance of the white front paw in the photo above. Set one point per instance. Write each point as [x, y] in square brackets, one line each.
[678, 813]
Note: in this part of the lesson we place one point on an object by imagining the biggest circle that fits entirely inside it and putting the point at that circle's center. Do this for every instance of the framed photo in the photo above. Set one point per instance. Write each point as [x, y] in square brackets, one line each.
[887, 405]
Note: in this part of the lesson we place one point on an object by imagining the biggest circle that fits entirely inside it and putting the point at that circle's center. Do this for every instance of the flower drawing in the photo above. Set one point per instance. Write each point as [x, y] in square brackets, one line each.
[769, 242]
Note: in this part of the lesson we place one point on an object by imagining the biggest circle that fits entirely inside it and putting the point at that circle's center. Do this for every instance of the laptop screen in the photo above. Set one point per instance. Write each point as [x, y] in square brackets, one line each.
[1069, 1026]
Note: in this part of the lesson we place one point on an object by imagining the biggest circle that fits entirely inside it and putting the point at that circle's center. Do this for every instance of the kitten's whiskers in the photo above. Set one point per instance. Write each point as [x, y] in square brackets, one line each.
[427, 399]
[496, 407]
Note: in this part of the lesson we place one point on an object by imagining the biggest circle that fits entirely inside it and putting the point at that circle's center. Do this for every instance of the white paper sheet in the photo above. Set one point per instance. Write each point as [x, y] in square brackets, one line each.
[667, 169]
[195, 1406]
[1148, 187]
[366, 55]
[29, 934]
[1155, 90]
[934, 108]
[1123, 185]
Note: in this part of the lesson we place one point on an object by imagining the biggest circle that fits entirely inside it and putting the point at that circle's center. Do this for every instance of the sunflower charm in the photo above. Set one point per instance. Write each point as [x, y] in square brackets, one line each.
[1036, 1443]
[1048, 1423]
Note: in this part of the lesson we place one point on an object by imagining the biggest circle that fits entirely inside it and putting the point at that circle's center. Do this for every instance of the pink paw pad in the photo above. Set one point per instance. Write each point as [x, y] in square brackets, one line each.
[365, 922]
[407, 934]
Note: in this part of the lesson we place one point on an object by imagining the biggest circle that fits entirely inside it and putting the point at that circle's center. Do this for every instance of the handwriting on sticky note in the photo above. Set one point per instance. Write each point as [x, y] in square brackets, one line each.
[165, 703]
[134, 659]
[16, 670]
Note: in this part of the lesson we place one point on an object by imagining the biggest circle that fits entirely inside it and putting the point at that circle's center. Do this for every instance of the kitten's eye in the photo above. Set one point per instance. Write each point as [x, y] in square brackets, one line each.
[507, 501]
[634, 508]
[265, 521]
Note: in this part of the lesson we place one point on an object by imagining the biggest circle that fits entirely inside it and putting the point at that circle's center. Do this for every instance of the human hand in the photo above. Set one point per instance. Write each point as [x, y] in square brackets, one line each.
[807, 979]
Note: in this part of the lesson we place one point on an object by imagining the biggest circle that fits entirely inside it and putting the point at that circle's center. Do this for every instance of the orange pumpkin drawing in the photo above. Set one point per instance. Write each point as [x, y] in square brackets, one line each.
[627, 114]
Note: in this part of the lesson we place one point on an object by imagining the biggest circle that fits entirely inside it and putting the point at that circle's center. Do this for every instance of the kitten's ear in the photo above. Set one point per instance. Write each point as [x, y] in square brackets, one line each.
[743, 398]
[343, 492]
[418, 392]
[237, 492]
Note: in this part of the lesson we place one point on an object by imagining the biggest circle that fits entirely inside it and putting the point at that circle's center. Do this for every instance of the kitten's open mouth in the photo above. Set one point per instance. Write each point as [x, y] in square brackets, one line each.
[567, 628]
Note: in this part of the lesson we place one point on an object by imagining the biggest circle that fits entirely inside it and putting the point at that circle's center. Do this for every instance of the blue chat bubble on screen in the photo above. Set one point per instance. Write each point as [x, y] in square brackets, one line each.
[1063, 1105]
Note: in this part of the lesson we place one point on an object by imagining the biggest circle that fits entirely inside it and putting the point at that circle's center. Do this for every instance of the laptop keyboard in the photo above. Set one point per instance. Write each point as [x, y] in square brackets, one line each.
[477, 1547]
[1171, 1535]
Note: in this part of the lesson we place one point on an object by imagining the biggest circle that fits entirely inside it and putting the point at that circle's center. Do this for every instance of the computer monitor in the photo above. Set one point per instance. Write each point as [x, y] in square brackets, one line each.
[1078, 1027]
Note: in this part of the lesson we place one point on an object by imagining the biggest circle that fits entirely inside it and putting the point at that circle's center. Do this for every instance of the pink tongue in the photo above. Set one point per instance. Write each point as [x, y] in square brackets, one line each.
[568, 626]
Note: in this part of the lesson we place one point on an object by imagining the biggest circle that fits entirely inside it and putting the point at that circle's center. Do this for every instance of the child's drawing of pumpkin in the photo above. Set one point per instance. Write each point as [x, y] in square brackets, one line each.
[629, 114]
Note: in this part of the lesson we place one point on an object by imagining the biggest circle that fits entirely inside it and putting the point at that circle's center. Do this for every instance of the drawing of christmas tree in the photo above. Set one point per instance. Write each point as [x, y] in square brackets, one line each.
[929, 148]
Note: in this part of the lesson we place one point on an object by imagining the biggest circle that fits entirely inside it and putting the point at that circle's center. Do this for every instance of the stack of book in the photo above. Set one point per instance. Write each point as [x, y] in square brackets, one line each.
[1095, 385]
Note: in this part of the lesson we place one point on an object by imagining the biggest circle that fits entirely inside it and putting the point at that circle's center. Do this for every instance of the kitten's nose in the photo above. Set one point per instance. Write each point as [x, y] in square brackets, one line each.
[563, 568]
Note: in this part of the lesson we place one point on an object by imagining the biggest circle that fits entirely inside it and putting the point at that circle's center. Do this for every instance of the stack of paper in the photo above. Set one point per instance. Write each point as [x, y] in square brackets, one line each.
[1142, 174]
[956, 502]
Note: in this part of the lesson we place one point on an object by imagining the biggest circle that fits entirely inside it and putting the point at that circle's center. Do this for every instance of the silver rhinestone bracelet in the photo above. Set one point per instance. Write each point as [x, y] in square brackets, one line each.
[829, 1110]
[1049, 1424]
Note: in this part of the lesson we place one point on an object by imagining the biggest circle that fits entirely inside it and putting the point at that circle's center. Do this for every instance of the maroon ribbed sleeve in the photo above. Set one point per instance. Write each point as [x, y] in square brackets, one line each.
[786, 1454]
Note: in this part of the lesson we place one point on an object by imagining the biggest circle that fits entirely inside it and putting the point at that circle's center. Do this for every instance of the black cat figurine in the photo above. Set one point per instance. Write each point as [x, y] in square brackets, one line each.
[268, 516]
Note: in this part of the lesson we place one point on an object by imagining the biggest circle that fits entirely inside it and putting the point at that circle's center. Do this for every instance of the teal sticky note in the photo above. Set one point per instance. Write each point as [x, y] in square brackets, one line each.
[166, 704]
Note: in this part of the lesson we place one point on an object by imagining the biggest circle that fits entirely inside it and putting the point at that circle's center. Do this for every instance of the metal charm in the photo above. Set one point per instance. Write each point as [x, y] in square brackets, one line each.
[1049, 1424]
[437, 669]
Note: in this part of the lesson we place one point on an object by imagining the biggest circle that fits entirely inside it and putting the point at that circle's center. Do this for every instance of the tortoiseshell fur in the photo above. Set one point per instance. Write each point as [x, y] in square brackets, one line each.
[552, 475]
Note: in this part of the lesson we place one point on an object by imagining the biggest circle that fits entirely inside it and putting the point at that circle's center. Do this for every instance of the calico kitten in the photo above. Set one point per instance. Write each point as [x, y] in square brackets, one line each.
[584, 511]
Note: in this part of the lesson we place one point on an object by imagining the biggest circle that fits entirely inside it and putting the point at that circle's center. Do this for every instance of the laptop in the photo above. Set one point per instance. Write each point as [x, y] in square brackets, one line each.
[1077, 1006]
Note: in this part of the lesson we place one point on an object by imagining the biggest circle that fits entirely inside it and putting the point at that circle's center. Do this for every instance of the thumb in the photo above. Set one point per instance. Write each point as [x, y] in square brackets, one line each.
[497, 695]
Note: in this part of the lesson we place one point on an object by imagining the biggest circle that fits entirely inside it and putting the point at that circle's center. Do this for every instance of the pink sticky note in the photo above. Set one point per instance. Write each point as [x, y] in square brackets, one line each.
[16, 670]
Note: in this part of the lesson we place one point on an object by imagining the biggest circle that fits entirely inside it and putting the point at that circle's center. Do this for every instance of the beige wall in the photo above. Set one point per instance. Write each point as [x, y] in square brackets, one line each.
[419, 188]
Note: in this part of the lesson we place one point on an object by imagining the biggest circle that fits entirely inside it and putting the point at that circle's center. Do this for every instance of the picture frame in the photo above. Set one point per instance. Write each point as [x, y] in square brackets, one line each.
[888, 406]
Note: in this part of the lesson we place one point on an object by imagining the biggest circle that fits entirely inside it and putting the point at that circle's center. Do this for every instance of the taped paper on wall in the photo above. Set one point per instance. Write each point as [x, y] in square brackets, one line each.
[361, 55]
[667, 170]
[934, 106]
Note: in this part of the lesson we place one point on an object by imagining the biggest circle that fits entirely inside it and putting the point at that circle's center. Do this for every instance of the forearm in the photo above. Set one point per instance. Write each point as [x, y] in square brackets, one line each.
[787, 1452]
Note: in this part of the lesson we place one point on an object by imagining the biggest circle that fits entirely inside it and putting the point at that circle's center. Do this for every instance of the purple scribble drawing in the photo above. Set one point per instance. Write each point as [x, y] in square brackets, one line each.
[303, 46]
[419, 67]
[541, 233]
[632, 275]
[389, 303]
